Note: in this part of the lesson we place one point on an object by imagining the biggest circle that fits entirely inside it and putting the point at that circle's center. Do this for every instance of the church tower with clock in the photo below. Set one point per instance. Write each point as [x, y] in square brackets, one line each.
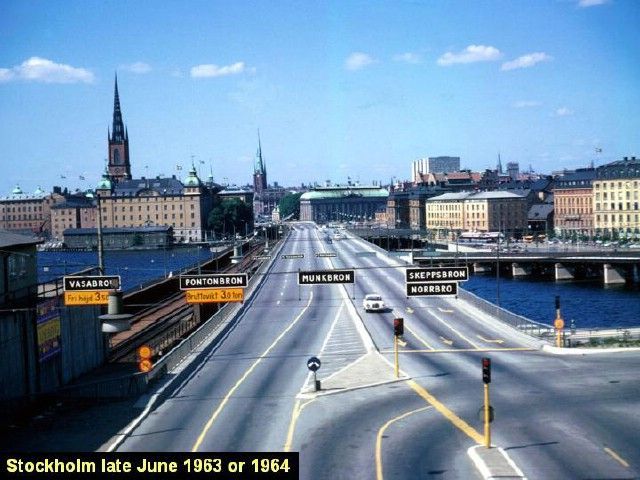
[119, 167]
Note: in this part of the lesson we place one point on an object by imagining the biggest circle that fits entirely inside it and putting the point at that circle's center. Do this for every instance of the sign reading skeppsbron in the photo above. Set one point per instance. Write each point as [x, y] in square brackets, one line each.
[437, 274]
[319, 277]
[219, 280]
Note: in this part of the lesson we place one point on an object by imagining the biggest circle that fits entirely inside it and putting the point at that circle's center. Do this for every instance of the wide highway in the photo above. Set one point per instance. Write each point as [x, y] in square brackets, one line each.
[557, 416]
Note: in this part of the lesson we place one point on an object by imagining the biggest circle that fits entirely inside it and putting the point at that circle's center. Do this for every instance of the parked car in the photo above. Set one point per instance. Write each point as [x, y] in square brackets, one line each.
[373, 303]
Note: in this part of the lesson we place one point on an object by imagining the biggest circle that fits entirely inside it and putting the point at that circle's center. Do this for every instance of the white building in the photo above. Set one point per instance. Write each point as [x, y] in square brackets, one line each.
[434, 165]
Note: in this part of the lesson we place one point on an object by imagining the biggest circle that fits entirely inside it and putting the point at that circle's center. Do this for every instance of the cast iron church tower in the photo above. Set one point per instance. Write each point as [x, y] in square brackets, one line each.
[119, 167]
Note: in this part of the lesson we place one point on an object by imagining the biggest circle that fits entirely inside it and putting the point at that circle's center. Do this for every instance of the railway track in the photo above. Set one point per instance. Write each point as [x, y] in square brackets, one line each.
[161, 326]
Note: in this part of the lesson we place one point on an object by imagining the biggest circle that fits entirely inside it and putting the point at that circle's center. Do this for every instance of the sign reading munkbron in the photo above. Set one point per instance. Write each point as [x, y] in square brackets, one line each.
[437, 274]
[91, 283]
[326, 276]
[219, 280]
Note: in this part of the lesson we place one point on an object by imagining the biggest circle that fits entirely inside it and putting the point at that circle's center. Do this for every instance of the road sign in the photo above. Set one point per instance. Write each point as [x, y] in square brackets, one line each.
[313, 364]
[437, 274]
[91, 283]
[432, 289]
[263, 257]
[325, 254]
[75, 298]
[318, 277]
[215, 295]
[558, 323]
[219, 280]
[295, 255]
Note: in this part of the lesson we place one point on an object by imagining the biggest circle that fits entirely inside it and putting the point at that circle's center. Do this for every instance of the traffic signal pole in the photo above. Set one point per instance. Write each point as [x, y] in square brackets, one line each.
[487, 424]
[395, 349]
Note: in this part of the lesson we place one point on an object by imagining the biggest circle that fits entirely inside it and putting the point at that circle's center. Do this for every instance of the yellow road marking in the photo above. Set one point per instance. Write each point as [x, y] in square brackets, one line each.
[418, 337]
[445, 310]
[616, 456]
[489, 341]
[402, 343]
[460, 350]
[381, 433]
[452, 417]
[447, 341]
[215, 414]
[297, 409]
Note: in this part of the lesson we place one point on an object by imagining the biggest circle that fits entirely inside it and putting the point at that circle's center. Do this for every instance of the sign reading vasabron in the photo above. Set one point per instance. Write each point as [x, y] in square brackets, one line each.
[89, 290]
[220, 280]
[326, 276]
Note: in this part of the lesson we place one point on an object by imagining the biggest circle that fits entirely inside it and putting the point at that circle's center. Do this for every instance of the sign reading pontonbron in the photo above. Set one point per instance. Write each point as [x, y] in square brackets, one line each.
[432, 289]
[326, 276]
[215, 295]
[219, 280]
[91, 283]
[437, 274]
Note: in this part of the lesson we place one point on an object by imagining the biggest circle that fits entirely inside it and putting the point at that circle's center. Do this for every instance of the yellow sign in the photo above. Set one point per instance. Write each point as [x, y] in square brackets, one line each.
[100, 297]
[215, 295]
[558, 323]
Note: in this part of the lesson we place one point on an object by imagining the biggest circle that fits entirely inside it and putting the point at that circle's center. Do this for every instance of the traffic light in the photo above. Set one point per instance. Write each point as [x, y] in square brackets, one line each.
[398, 327]
[144, 358]
[486, 370]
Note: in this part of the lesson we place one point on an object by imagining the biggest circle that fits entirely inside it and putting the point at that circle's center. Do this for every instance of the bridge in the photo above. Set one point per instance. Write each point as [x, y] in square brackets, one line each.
[614, 267]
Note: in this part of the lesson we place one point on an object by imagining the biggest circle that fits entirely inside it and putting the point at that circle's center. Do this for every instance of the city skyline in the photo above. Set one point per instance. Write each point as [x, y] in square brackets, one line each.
[355, 90]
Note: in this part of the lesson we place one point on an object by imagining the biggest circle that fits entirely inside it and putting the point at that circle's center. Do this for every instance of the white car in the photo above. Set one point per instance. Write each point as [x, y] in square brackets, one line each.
[373, 303]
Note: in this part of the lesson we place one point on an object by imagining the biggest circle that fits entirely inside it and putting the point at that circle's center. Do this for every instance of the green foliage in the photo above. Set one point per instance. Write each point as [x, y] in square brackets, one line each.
[230, 215]
[289, 204]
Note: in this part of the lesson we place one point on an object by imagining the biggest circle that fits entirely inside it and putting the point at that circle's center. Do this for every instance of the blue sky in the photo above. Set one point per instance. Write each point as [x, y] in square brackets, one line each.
[338, 89]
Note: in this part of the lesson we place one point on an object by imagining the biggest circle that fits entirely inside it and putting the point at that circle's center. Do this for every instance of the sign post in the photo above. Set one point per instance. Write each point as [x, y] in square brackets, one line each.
[214, 288]
[313, 364]
[558, 323]
[89, 290]
[435, 281]
[398, 331]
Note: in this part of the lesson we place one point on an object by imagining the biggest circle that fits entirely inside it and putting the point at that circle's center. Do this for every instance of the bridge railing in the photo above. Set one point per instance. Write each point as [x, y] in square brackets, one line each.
[524, 324]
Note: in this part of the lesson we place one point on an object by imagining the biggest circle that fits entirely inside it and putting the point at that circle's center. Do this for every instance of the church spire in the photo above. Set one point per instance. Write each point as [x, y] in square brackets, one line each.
[499, 165]
[259, 163]
[118, 126]
[259, 171]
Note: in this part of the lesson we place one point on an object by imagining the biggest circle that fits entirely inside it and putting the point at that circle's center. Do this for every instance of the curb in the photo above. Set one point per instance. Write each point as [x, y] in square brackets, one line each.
[586, 351]
[494, 463]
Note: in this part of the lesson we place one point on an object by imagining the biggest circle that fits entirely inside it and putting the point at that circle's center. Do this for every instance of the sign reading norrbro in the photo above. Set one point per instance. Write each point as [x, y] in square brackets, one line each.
[318, 277]
[195, 282]
[91, 283]
[432, 289]
[437, 274]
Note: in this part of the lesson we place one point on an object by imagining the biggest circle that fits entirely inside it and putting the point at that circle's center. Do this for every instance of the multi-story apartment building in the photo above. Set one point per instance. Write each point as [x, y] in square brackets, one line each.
[479, 211]
[433, 165]
[573, 203]
[28, 213]
[75, 212]
[616, 192]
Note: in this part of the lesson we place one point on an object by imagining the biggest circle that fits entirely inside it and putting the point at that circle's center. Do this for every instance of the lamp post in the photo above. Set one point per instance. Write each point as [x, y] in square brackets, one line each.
[100, 243]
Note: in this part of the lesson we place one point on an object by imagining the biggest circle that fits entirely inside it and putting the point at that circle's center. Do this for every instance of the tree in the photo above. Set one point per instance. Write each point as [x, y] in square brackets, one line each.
[290, 204]
[230, 215]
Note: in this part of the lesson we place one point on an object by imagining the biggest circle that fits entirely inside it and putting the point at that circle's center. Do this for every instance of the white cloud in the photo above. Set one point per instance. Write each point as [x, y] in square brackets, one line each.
[526, 61]
[408, 57]
[526, 104]
[358, 60]
[210, 70]
[39, 69]
[137, 67]
[591, 3]
[471, 54]
[563, 112]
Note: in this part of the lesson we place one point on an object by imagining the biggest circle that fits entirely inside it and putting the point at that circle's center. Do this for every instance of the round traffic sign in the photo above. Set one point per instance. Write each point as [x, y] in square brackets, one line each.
[145, 365]
[145, 351]
[313, 364]
[558, 323]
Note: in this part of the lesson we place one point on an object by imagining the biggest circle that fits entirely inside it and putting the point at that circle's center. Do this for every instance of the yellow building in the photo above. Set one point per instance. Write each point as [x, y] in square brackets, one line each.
[479, 212]
[616, 192]
[28, 213]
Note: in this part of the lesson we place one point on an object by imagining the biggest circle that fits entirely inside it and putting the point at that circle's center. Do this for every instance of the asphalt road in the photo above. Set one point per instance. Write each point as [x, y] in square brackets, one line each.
[556, 416]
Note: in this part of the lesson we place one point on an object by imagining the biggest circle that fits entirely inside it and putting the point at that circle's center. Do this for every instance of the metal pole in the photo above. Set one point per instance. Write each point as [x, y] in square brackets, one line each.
[487, 427]
[100, 244]
[395, 348]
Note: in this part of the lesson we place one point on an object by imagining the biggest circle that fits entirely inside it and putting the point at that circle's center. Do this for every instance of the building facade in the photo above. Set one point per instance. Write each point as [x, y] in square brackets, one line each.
[28, 213]
[342, 203]
[433, 165]
[74, 212]
[573, 204]
[616, 197]
[478, 212]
